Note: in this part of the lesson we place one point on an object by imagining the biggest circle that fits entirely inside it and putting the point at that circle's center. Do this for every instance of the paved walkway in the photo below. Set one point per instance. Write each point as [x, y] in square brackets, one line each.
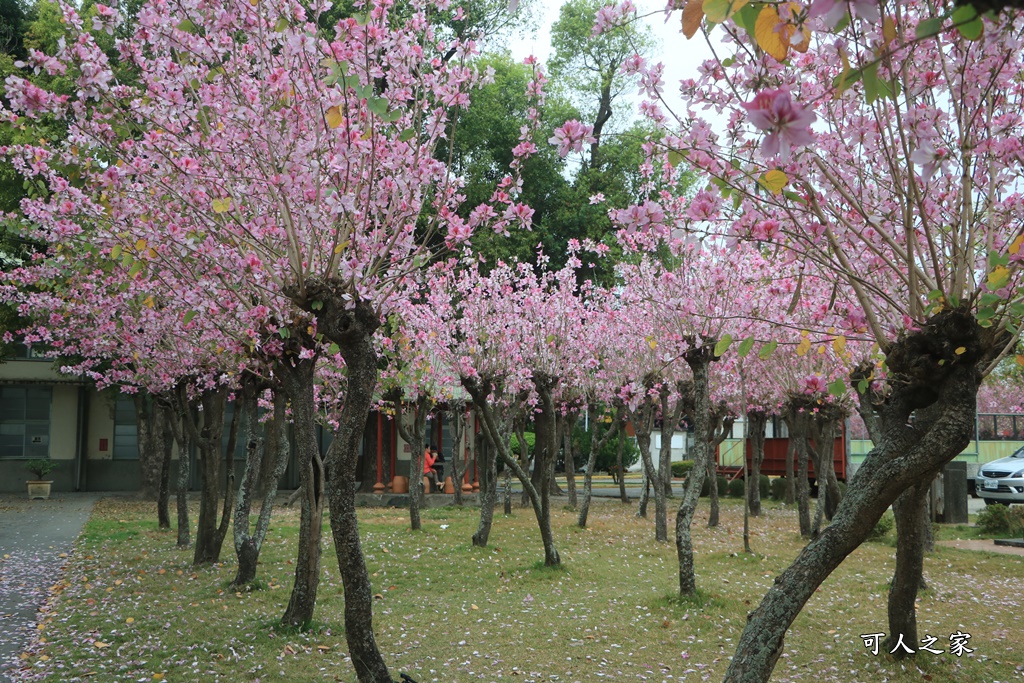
[983, 544]
[36, 536]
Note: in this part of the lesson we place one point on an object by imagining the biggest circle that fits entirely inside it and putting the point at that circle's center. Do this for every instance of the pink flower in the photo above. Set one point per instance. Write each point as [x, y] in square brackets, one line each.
[571, 136]
[815, 384]
[930, 159]
[787, 123]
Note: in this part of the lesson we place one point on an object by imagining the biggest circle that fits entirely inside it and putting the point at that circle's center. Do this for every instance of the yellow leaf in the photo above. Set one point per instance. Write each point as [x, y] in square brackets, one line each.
[718, 11]
[839, 344]
[803, 347]
[821, 349]
[652, 342]
[960, 350]
[100, 645]
[998, 277]
[888, 30]
[1020, 360]
[141, 245]
[130, 620]
[334, 117]
[1016, 245]
[222, 205]
[774, 181]
[693, 14]
[473, 607]
[149, 302]
[151, 253]
[771, 34]
[158, 677]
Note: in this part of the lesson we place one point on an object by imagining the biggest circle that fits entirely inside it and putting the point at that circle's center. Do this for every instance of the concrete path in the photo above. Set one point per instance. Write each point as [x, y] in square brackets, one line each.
[36, 536]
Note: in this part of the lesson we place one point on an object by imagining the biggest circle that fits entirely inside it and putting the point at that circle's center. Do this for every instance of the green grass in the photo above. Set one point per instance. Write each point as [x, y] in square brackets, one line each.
[133, 609]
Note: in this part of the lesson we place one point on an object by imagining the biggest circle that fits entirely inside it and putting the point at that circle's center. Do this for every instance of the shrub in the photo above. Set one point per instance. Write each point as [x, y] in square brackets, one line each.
[606, 458]
[513, 443]
[765, 486]
[40, 468]
[736, 488]
[1000, 520]
[779, 488]
[682, 468]
[882, 527]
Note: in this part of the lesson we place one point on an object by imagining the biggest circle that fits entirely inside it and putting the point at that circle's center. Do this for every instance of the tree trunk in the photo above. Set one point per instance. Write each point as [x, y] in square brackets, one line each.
[352, 330]
[720, 424]
[643, 420]
[485, 464]
[181, 436]
[798, 421]
[756, 425]
[415, 437]
[150, 453]
[249, 543]
[297, 377]
[480, 390]
[457, 413]
[823, 429]
[163, 500]
[790, 470]
[923, 372]
[547, 424]
[596, 445]
[699, 360]
[209, 538]
[568, 429]
[619, 448]
[519, 427]
[911, 511]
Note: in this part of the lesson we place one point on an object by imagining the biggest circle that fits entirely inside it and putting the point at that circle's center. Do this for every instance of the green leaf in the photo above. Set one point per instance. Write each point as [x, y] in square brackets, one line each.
[188, 316]
[284, 332]
[747, 17]
[968, 22]
[874, 87]
[317, 305]
[115, 252]
[862, 386]
[767, 350]
[407, 134]
[745, 347]
[675, 157]
[188, 26]
[723, 345]
[333, 349]
[548, 339]
[136, 268]
[837, 388]
[377, 105]
[929, 27]
[282, 25]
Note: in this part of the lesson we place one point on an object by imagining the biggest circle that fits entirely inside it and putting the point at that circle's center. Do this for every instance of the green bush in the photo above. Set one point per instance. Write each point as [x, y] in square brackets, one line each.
[513, 443]
[882, 528]
[40, 468]
[682, 468]
[779, 488]
[765, 487]
[736, 488]
[1000, 520]
[606, 458]
[723, 487]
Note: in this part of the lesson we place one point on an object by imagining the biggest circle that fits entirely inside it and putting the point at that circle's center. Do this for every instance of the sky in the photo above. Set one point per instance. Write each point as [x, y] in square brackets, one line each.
[680, 56]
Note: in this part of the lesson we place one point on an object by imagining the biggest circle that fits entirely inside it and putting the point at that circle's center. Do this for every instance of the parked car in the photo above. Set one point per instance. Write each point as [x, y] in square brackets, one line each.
[1002, 481]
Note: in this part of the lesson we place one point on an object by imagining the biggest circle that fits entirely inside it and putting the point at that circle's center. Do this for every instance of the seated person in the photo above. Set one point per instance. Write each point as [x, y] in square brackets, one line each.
[428, 467]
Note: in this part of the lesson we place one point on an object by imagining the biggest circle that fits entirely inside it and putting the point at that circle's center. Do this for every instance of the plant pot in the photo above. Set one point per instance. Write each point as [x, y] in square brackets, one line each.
[400, 485]
[39, 490]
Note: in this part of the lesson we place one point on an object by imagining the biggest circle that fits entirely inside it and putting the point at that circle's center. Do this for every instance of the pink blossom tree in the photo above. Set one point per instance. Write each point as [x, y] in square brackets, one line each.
[888, 155]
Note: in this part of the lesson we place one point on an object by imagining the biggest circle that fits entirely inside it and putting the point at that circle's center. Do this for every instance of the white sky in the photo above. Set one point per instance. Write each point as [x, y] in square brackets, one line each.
[680, 56]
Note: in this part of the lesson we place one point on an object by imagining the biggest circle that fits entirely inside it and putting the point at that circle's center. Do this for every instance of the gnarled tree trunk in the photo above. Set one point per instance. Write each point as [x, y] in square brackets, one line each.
[415, 437]
[757, 422]
[297, 379]
[643, 423]
[924, 373]
[249, 542]
[596, 444]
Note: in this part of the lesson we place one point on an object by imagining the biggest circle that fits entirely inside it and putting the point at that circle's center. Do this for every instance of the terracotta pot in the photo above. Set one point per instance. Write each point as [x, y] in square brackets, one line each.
[400, 485]
[449, 487]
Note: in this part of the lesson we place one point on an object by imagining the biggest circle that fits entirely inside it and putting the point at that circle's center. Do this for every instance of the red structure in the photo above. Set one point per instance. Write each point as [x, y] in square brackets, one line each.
[774, 464]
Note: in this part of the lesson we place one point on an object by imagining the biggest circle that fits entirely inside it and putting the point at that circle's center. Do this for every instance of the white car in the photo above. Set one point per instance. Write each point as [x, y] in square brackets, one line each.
[1002, 481]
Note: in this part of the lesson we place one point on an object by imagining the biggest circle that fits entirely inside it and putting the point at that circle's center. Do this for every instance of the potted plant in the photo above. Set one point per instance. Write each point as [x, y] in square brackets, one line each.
[39, 488]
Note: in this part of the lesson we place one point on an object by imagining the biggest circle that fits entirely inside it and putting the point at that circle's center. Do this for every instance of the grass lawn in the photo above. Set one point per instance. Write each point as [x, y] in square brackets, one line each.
[133, 609]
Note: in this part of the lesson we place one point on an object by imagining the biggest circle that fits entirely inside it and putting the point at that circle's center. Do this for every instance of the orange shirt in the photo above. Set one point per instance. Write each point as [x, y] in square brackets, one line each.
[428, 462]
